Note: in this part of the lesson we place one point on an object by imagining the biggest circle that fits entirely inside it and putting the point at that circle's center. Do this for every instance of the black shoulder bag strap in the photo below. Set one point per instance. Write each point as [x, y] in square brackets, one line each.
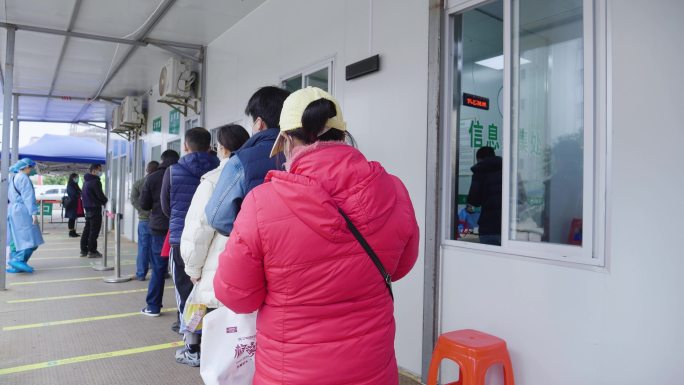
[15, 186]
[374, 257]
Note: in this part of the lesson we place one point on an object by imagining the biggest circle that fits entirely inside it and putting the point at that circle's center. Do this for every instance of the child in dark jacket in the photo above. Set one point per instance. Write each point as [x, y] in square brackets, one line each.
[178, 187]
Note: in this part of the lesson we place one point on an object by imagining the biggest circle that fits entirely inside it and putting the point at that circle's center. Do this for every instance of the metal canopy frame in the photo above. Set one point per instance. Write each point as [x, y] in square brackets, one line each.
[145, 31]
[91, 36]
[11, 99]
[142, 40]
[60, 60]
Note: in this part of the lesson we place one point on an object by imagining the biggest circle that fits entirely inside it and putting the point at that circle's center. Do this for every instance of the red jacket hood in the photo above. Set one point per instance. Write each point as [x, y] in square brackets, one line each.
[326, 176]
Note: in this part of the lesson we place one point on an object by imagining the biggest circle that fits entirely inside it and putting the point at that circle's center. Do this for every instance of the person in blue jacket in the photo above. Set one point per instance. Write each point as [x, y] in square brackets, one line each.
[178, 187]
[248, 166]
[22, 217]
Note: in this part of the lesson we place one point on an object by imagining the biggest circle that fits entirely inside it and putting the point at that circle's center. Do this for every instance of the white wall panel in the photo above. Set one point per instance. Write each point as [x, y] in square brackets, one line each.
[385, 111]
[622, 325]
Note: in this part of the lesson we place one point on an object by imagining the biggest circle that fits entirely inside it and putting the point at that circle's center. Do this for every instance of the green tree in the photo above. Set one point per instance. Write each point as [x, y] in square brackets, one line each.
[55, 179]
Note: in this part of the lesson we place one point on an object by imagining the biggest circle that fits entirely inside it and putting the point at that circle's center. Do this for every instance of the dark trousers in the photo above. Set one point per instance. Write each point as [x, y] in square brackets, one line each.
[72, 223]
[182, 281]
[91, 231]
[144, 249]
[155, 290]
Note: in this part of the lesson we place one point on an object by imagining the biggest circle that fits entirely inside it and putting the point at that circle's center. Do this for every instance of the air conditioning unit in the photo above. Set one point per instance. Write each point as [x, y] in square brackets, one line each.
[116, 118]
[176, 79]
[130, 112]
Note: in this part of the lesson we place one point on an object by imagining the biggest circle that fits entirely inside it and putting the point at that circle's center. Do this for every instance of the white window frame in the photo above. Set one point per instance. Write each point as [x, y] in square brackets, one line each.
[596, 142]
[328, 63]
[191, 122]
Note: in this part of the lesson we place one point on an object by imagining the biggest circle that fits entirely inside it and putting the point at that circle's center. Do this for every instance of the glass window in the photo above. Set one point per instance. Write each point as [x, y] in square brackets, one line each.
[525, 146]
[175, 145]
[214, 137]
[318, 79]
[477, 117]
[191, 123]
[548, 122]
[156, 153]
[293, 84]
[315, 76]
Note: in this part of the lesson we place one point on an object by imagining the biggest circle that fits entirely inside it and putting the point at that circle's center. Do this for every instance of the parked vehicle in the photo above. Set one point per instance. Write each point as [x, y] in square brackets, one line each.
[50, 192]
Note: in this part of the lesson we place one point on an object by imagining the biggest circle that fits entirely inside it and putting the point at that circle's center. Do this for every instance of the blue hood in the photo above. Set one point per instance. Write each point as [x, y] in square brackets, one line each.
[185, 177]
[199, 163]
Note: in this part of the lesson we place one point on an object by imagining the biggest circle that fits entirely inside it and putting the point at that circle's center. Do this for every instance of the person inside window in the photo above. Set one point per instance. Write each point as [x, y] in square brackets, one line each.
[485, 193]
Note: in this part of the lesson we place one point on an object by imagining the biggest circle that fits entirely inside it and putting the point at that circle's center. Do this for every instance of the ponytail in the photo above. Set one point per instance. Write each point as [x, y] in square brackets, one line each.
[314, 118]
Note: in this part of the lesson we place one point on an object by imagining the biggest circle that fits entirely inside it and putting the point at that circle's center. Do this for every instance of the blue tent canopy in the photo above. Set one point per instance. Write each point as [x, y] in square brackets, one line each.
[65, 149]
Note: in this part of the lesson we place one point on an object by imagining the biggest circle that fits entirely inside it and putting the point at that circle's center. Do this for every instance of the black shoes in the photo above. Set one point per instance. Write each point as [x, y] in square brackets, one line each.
[74, 234]
[94, 254]
[84, 254]
[176, 326]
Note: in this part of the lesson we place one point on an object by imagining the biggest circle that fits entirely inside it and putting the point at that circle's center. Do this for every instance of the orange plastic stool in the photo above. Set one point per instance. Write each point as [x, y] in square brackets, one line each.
[474, 352]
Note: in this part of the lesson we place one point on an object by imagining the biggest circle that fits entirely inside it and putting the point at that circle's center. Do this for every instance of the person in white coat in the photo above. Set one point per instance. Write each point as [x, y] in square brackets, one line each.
[22, 217]
[200, 243]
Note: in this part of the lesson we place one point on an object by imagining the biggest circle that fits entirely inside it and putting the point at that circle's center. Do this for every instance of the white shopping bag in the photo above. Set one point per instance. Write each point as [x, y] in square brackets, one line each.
[228, 348]
[194, 311]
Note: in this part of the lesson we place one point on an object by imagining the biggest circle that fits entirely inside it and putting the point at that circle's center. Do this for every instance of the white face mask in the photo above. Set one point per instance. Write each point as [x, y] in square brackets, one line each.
[220, 152]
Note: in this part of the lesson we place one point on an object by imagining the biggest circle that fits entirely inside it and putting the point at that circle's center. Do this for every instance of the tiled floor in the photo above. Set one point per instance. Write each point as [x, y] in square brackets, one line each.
[63, 325]
[102, 338]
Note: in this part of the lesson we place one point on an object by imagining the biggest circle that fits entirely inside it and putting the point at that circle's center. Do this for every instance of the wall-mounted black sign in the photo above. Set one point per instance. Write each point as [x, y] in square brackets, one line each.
[363, 67]
[475, 101]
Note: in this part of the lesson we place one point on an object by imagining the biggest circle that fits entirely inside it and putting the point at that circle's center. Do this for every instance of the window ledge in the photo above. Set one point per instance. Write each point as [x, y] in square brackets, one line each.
[503, 252]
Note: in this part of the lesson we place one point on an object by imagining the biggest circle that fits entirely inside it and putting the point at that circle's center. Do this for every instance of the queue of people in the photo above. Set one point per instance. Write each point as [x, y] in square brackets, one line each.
[293, 223]
[277, 224]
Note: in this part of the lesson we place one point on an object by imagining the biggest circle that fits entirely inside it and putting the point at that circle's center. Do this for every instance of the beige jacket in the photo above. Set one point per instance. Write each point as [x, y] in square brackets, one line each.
[200, 244]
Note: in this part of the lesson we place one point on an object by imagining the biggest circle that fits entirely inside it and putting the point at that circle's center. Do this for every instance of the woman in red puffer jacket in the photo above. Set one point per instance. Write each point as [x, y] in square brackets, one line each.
[325, 313]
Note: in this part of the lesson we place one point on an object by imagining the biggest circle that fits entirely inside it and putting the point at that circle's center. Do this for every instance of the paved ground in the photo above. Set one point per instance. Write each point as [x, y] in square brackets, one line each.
[91, 347]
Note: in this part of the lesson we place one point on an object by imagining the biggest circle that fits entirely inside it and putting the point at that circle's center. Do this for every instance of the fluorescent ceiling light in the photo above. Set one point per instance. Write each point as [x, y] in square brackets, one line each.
[497, 62]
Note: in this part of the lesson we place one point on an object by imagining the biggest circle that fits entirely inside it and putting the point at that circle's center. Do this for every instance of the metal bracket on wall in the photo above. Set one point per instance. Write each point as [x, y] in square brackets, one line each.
[128, 131]
[184, 103]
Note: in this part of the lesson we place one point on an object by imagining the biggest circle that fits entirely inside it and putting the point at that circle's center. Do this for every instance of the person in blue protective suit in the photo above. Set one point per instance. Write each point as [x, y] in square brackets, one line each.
[22, 217]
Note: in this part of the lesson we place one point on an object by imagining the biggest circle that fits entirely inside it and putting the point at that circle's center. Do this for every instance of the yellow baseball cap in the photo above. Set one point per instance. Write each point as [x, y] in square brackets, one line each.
[293, 109]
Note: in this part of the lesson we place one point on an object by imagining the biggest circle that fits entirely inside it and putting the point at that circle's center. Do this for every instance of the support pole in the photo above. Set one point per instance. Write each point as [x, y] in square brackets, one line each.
[135, 175]
[42, 216]
[5, 157]
[117, 278]
[432, 295]
[105, 221]
[15, 129]
[203, 87]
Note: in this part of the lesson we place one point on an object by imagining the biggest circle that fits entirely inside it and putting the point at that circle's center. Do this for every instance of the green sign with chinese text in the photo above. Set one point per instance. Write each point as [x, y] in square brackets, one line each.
[157, 124]
[174, 122]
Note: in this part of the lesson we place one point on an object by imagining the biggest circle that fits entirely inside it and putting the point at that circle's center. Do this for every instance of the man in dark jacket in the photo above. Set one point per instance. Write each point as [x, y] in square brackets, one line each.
[247, 167]
[93, 201]
[144, 248]
[485, 192]
[159, 226]
[178, 187]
